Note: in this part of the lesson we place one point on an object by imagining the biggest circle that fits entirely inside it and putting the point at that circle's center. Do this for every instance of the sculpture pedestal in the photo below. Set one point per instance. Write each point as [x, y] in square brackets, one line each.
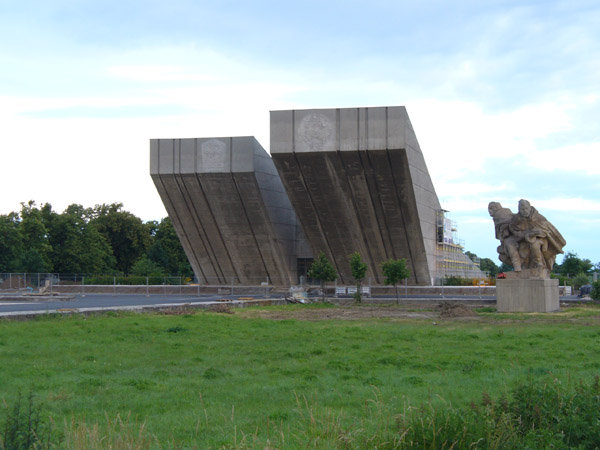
[527, 295]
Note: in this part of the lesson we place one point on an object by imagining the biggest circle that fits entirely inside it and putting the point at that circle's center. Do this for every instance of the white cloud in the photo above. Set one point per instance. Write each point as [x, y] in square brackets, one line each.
[158, 73]
[569, 204]
[576, 157]
[459, 136]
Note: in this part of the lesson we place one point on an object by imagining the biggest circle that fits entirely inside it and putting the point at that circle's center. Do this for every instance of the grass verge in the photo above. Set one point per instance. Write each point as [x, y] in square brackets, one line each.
[207, 380]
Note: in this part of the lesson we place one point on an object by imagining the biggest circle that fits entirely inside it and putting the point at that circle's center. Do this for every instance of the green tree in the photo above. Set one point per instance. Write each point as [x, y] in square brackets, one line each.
[11, 243]
[127, 235]
[359, 270]
[572, 265]
[145, 267]
[595, 294]
[321, 269]
[77, 246]
[489, 266]
[580, 280]
[472, 256]
[36, 248]
[395, 270]
[166, 249]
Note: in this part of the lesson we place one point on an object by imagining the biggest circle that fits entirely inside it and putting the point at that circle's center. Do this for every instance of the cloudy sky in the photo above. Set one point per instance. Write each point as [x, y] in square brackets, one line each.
[504, 95]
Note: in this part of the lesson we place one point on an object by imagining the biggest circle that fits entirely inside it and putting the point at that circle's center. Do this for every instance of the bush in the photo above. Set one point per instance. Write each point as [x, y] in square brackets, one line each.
[538, 415]
[595, 294]
[134, 280]
[23, 427]
[457, 281]
[580, 280]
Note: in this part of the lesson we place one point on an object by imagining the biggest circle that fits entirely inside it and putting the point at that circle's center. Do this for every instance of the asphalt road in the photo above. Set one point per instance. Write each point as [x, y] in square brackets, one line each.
[104, 302]
[93, 302]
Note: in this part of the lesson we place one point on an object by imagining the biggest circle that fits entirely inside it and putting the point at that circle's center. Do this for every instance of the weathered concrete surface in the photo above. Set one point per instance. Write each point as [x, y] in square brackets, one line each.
[229, 208]
[519, 295]
[358, 182]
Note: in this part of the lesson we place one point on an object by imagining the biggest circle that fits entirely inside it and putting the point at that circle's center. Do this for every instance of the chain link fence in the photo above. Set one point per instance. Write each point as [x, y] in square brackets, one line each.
[75, 283]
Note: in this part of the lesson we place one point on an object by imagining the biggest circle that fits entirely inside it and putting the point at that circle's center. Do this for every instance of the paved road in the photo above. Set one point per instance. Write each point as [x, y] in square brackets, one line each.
[92, 302]
[99, 302]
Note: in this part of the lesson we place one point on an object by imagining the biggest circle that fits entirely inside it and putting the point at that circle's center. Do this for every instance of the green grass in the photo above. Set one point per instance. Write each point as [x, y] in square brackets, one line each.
[224, 381]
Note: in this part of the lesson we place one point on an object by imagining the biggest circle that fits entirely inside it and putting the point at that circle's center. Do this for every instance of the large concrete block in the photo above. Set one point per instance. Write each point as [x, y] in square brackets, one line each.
[349, 175]
[528, 295]
[225, 199]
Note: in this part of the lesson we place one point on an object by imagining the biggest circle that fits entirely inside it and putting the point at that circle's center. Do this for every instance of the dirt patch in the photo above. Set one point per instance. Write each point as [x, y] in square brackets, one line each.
[221, 308]
[344, 313]
[453, 310]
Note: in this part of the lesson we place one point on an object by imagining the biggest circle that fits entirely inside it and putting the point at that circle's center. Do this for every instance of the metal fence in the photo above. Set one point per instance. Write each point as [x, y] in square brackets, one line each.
[179, 285]
[131, 284]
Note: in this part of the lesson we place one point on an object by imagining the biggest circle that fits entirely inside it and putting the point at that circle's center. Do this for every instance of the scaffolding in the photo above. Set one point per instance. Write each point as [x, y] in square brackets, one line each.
[450, 257]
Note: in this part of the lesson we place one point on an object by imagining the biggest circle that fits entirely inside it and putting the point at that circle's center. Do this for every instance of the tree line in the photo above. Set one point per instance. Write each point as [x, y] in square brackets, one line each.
[394, 271]
[104, 239]
[571, 266]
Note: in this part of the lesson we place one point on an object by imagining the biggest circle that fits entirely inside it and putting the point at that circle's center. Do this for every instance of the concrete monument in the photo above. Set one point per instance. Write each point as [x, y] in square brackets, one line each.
[529, 243]
[358, 181]
[229, 209]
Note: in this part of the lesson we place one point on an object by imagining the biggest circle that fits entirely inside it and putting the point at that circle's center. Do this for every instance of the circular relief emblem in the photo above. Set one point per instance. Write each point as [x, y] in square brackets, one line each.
[213, 156]
[315, 131]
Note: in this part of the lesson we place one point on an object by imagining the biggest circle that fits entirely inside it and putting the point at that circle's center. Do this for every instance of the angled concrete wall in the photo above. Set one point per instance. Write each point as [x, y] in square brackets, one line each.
[228, 207]
[358, 182]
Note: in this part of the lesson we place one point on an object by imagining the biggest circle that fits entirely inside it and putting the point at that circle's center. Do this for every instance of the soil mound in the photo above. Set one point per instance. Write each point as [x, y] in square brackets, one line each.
[448, 309]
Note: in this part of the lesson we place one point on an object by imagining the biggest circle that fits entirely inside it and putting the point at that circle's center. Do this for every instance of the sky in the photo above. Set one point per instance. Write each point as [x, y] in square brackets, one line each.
[504, 96]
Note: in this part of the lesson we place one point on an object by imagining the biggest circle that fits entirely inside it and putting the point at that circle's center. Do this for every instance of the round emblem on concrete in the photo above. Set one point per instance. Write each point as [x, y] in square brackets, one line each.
[213, 154]
[316, 130]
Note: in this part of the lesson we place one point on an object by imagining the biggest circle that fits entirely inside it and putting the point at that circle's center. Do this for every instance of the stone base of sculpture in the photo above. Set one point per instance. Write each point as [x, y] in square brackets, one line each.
[526, 295]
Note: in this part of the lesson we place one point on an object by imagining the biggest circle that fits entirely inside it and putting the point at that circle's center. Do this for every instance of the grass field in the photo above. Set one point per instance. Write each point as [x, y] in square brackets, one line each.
[208, 380]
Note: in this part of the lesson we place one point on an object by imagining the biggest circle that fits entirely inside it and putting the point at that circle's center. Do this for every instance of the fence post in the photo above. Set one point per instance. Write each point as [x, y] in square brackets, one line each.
[10, 280]
[231, 285]
[38, 283]
[180, 286]
[406, 288]
[51, 282]
[114, 286]
[83, 286]
[335, 289]
[443, 287]
[267, 288]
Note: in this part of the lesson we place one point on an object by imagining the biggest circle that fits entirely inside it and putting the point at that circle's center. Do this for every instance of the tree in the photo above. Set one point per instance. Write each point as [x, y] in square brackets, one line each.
[359, 270]
[11, 243]
[166, 250]
[321, 269]
[36, 248]
[145, 267]
[573, 265]
[127, 235]
[77, 246]
[395, 270]
[489, 266]
[580, 280]
[472, 256]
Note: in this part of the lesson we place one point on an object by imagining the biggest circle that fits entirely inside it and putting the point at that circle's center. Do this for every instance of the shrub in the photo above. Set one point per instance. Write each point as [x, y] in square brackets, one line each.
[23, 427]
[538, 415]
[595, 294]
[457, 281]
[580, 280]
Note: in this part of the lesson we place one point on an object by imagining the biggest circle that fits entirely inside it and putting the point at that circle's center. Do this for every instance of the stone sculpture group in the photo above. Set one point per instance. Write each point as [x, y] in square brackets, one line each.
[528, 241]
